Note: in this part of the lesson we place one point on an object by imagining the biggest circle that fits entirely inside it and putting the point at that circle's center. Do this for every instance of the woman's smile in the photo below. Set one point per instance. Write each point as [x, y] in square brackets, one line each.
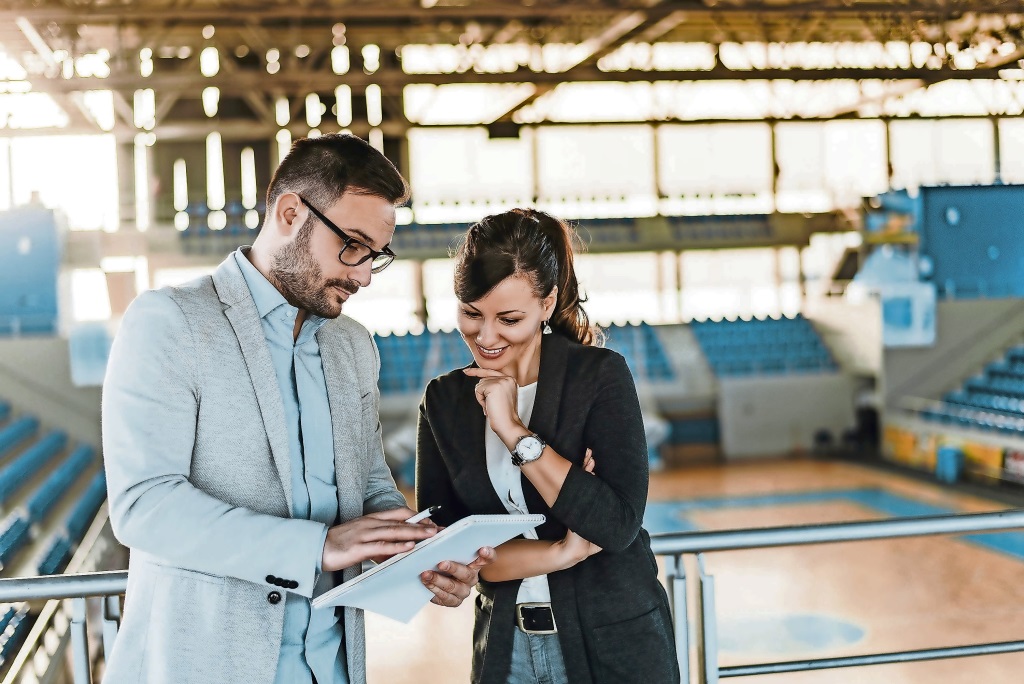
[491, 354]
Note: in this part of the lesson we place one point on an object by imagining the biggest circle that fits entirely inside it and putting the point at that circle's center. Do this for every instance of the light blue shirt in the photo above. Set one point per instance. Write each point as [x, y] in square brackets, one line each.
[313, 641]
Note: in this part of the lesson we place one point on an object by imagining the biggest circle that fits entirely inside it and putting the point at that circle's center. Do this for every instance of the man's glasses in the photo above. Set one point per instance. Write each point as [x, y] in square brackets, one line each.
[355, 252]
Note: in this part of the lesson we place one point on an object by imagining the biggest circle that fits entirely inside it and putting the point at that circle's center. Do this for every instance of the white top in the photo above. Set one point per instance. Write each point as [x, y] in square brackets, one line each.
[507, 482]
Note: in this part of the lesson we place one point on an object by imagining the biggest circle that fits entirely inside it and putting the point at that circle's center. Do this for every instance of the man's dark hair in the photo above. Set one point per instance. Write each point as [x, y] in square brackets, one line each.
[322, 169]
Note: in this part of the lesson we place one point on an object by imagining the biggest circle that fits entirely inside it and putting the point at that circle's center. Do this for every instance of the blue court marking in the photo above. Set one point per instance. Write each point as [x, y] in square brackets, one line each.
[671, 516]
[789, 634]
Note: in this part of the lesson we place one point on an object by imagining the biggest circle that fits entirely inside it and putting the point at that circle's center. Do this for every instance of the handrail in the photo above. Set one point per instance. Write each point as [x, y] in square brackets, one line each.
[671, 545]
[668, 544]
[677, 543]
[47, 587]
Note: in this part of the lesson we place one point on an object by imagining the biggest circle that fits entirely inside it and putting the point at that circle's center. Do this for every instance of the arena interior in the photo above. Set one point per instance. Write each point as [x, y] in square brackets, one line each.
[798, 222]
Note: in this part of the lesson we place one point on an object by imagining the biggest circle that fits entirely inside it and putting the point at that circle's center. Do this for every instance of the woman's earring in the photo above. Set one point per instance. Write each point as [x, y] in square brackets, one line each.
[546, 329]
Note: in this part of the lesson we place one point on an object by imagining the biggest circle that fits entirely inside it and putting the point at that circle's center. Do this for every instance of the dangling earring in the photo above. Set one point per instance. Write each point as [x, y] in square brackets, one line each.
[546, 329]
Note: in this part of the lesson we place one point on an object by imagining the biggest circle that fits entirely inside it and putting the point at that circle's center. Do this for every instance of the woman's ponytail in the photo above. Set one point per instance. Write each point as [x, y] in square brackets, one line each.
[568, 317]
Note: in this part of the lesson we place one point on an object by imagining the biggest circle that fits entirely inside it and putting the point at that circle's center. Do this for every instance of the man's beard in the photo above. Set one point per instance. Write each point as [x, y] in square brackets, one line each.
[297, 275]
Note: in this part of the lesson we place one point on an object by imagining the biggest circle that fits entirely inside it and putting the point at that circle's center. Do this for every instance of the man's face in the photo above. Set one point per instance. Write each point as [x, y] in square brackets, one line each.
[307, 270]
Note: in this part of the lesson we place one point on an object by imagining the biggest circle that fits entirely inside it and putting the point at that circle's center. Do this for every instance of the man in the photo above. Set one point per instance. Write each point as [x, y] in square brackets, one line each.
[243, 448]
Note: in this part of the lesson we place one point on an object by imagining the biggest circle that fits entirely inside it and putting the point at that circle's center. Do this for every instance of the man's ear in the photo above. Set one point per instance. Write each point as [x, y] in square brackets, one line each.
[286, 211]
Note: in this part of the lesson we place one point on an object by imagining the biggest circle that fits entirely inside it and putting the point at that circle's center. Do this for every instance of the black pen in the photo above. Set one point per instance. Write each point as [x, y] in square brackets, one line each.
[423, 515]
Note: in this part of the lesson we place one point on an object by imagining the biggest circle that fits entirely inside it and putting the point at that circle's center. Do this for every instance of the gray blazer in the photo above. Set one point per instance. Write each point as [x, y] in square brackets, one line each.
[196, 453]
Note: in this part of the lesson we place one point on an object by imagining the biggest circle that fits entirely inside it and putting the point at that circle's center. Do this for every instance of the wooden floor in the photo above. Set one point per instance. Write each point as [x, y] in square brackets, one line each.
[806, 602]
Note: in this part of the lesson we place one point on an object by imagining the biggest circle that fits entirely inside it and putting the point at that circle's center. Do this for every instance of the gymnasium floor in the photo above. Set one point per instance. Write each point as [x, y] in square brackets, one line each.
[801, 602]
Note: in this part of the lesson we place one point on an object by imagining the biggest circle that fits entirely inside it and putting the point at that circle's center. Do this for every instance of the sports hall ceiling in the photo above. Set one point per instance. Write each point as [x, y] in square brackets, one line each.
[271, 50]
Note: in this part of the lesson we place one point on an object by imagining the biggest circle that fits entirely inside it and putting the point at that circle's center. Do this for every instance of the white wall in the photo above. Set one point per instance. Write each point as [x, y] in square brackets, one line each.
[776, 415]
[853, 332]
[35, 377]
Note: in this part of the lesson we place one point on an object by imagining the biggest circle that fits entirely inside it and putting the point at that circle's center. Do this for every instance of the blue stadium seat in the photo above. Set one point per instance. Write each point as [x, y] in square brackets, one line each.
[51, 491]
[85, 510]
[15, 632]
[763, 347]
[19, 470]
[408, 362]
[991, 400]
[643, 350]
[56, 556]
[14, 534]
[16, 432]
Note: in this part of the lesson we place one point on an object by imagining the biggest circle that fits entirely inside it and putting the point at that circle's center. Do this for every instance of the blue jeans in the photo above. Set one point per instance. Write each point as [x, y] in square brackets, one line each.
[536, 659]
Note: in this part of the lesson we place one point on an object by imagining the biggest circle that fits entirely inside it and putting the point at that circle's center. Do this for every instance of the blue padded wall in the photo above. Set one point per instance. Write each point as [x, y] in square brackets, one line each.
[974, 239]
[29, 264]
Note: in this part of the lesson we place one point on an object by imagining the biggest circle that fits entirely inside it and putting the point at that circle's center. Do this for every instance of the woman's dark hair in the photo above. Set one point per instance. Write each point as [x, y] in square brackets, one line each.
[532, 244]
[322, 169]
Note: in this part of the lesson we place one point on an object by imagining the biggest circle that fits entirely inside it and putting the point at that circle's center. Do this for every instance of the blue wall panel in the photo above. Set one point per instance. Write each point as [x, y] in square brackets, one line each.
[974, 237]
[29, 263]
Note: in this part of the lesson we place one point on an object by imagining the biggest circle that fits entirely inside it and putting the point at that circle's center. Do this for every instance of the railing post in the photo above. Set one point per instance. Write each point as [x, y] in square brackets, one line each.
[707, 625]
[111, 622]
[676, 580]
[82, 671]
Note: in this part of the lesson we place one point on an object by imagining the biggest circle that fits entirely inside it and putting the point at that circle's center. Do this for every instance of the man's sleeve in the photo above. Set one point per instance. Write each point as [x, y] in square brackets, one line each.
[381, 492]
[150, 407]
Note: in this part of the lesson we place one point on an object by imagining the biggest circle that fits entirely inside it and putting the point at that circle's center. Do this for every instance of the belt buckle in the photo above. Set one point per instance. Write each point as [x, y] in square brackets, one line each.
[520, 622]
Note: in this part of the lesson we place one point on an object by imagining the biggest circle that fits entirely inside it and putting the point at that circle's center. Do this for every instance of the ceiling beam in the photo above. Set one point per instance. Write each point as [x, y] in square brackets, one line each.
[594, 47]
[246, 129]
[300, 83]
[242, 13]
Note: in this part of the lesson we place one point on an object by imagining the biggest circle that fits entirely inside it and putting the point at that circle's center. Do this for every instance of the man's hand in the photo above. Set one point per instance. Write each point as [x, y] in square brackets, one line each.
[452, 581]
[374, 536]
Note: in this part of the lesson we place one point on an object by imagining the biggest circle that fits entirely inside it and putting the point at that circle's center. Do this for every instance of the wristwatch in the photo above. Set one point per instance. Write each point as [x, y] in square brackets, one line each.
[528, 449]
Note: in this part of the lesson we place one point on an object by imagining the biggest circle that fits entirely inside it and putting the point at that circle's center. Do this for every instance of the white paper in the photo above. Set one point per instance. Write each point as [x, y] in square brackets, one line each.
[394, 589]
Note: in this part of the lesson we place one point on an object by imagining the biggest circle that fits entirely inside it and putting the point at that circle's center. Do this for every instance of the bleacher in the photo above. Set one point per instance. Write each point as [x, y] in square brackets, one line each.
[643, 350]
[14, 626]
[991, 400]
[408, 362]
[36, 476]
[49, 503]
[763, 347]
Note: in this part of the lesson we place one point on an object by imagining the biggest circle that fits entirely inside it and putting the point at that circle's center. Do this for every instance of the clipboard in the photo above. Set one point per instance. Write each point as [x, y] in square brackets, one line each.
[393, 588]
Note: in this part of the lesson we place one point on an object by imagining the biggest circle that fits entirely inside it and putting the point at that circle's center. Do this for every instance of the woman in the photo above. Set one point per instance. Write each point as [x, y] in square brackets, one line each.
[579, 600]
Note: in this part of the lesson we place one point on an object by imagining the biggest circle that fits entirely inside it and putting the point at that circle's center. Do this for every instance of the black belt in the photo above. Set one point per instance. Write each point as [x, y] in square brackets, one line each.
[535, 618]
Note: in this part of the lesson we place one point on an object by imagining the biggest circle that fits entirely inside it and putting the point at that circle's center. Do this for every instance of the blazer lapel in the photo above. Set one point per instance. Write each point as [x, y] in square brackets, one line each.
[346, 418]
[472, 480]
[245, 320]
[554, 353]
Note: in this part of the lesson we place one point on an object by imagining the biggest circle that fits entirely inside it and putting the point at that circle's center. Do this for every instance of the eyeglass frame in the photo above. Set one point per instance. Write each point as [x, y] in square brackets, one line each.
[349, 240]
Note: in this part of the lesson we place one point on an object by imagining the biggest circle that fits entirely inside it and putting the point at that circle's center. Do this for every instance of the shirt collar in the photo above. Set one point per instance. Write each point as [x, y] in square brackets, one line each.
[267, 297]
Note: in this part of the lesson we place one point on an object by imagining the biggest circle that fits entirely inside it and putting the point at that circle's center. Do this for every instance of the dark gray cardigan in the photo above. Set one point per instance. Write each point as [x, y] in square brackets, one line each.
[612, 612]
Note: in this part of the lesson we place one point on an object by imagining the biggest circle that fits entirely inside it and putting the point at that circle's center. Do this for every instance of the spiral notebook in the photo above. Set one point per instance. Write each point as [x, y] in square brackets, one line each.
[393, 588]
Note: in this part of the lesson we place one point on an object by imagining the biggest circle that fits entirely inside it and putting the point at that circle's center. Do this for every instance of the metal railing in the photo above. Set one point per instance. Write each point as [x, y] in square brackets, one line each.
[673, 546]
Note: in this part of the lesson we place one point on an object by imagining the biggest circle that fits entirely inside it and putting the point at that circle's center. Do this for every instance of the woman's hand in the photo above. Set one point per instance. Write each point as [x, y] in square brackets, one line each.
[498, 396]
[573, 547]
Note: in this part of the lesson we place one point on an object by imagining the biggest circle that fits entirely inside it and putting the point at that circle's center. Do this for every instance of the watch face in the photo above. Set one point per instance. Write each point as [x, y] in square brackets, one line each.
[530, 448]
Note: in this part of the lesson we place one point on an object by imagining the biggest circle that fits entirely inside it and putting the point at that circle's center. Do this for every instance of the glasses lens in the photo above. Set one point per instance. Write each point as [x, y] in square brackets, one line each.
[381, 262]
[354, 254]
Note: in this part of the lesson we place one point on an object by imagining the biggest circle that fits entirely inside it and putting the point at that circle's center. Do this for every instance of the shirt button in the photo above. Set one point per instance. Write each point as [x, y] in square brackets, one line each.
[274, 597]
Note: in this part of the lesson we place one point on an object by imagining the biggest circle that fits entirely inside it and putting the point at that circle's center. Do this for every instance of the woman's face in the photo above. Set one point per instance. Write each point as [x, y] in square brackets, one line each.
[503, 328]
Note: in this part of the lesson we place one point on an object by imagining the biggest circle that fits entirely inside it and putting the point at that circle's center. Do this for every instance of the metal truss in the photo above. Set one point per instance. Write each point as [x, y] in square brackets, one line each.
[595, 41]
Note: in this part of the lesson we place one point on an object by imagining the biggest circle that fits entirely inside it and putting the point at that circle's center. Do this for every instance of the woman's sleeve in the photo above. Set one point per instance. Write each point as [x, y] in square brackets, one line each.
[608, 509]
[433, 483]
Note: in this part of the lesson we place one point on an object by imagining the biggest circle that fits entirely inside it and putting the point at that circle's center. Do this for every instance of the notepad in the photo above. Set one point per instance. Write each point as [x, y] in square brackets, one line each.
[394, 589]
